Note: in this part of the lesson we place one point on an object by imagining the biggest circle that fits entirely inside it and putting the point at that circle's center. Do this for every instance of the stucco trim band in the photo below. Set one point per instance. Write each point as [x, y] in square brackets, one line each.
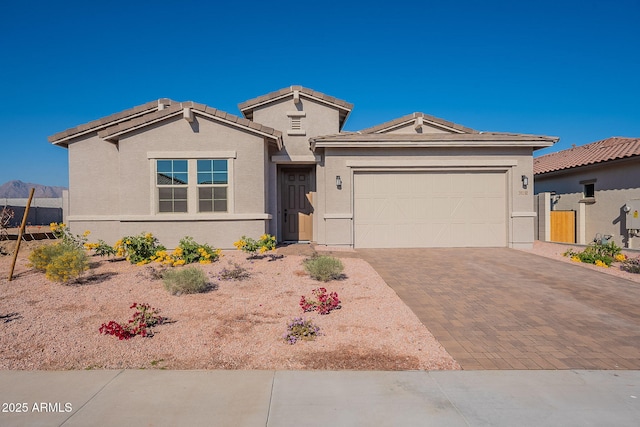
[170, 217]
[432, 162]
[338, 216]
[192, 155]
[523, 214]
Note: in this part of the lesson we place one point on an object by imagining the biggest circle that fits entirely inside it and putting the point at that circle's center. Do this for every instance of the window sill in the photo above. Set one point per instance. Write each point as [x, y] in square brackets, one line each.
[297, 132]
[588, 200]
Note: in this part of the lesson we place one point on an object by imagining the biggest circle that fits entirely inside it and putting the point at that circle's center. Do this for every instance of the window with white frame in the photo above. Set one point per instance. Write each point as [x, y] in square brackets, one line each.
[213, 182]
[192, 185]
[172, 180]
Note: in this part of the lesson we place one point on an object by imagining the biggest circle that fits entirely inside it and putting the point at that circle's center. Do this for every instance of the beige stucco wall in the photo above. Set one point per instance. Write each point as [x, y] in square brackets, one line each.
[319, 119]
[93, 177]
[130, 205]
[616, 183]
[335, 206]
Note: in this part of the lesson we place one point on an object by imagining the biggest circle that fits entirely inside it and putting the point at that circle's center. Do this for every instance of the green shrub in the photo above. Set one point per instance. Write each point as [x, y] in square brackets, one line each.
[138, 249]
[324, 268]
[596, 253]
[248, 245]
[190, 280]
[60, 262]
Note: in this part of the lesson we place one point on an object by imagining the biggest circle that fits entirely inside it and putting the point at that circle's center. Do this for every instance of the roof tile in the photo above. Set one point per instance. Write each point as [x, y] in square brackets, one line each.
[284, 91]
[596, 152]
[395, 122]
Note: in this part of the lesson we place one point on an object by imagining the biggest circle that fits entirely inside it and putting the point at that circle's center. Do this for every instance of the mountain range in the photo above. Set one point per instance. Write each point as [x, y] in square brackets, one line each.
[20, 190]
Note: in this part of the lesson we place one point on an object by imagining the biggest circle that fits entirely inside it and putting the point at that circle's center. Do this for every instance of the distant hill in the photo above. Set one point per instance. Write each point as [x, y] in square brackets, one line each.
[20, 190]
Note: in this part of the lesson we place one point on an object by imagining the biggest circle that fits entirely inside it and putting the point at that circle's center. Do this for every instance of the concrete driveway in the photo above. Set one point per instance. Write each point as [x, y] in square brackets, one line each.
[500, 308]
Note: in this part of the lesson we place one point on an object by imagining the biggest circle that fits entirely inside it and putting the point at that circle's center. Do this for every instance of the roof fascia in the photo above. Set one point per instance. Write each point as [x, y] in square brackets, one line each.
[425, 121]
[63, 141]
[290, 94]
[179, 112]
[431, 140]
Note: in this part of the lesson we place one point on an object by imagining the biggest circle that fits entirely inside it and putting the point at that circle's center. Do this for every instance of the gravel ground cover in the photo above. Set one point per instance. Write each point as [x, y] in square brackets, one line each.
[237, 324]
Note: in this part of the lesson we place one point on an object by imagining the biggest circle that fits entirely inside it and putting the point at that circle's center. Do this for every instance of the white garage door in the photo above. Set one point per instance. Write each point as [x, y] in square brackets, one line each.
[430, 209]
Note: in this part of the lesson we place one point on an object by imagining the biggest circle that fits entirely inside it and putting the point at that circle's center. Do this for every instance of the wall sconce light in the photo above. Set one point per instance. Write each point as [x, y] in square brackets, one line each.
[338, 182]
[525, 181]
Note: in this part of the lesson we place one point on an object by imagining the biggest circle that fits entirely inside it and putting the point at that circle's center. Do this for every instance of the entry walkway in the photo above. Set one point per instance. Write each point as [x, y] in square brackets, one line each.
[320, 398]
[500, 308]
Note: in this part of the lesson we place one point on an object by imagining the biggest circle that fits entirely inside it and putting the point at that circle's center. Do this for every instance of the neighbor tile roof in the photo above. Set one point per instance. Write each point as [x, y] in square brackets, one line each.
[287, 90]
[596, 152]
[408, 118]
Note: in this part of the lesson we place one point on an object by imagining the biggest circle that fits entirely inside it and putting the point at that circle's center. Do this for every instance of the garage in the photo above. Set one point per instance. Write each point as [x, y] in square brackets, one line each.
[430, 209]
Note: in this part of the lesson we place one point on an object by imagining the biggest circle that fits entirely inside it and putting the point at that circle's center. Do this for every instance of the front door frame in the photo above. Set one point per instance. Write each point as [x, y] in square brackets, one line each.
[310, 172]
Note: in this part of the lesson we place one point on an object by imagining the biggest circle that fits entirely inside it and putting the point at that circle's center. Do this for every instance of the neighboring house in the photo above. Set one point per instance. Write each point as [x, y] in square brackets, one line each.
[596, 181]
[177, 169]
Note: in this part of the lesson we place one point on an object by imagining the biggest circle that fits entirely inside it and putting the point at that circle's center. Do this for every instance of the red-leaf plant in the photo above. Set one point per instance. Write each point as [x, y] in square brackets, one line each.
[140, 323]
[324, 304]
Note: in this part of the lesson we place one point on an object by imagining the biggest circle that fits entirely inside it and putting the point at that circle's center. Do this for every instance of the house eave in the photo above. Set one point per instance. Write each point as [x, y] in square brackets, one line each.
[454, 140]
[113, 136]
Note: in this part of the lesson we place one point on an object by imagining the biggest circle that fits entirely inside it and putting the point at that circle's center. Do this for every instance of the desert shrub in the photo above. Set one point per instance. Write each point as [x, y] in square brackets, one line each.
[631, 265]
[187, 252]
[101, 248]
[323, 303]
[62, 232]
[248, 245]
[190, 280]
[141, 323]
[596, 253]
[60, 261]
[138, 249]
[236, 273]
[324, 267]
[300, 329]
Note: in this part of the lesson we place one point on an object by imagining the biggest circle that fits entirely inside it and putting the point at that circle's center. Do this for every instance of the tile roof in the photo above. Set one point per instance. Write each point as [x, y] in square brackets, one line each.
[344, 107]
[381, 128]
[112, 126]
[287, 90]
[595, 152]
[104, 122]
[357, 139]
[177, 108]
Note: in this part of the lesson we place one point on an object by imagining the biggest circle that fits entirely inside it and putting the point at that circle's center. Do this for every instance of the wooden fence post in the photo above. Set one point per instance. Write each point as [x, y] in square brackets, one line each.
[24, 223]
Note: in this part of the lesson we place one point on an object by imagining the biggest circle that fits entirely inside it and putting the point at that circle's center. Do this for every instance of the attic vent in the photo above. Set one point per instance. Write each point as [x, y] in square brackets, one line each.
[295, 123]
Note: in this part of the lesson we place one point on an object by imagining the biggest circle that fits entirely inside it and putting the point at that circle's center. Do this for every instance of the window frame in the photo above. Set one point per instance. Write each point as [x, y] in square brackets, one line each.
[588, 190]
[213, 185]
[172, 186]
[193, 206]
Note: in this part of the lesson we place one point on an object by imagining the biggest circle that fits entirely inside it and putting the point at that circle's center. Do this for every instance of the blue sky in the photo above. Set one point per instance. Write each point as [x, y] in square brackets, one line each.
[564, 68]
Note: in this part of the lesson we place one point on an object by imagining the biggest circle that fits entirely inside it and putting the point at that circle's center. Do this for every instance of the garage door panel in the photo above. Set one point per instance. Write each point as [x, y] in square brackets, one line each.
[429, 209]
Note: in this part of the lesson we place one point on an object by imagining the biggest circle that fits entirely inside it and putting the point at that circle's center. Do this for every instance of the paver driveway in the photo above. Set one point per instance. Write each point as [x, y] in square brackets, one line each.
[501, 308]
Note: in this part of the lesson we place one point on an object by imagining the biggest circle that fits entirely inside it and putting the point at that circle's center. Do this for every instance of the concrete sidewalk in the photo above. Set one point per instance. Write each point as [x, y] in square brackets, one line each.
[319, 398]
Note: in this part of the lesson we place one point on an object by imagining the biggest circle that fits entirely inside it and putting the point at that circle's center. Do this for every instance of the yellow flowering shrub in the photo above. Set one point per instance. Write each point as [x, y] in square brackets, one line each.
[620, 257]
[266, 243]
[61, 262]
[188, 251]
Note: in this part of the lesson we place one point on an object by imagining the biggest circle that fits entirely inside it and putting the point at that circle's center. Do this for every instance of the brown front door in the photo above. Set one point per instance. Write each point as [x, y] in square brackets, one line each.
[297, 210]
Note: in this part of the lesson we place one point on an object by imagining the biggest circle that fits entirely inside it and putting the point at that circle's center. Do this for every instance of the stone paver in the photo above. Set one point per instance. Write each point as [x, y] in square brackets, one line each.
[500, 308]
